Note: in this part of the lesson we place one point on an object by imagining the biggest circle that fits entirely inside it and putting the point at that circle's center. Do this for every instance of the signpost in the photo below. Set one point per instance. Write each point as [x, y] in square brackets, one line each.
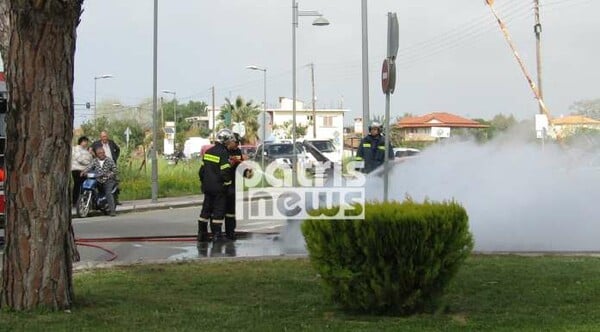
[388, 84]
[127, 133]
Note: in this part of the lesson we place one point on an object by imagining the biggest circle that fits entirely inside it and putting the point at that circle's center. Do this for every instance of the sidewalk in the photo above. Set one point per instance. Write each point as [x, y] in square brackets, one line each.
[161, 203]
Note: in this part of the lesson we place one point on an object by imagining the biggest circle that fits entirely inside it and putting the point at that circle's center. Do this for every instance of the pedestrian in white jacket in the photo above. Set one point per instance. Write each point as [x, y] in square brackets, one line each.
[81, 158]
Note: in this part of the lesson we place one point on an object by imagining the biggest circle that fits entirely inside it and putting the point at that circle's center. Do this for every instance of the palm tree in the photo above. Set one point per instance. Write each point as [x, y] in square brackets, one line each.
[241, 111]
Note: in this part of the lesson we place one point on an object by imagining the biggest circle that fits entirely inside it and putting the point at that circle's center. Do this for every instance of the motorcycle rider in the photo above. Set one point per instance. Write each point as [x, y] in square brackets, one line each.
[106, 175]
[216, 178]
[372, 148]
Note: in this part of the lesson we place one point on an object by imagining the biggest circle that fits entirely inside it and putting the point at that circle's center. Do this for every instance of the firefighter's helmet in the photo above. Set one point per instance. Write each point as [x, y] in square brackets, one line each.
[375, 124]
[224, 136]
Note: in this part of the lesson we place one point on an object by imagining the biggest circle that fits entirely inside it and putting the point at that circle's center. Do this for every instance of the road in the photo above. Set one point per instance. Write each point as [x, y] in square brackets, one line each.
[169, 222]
[102, 238]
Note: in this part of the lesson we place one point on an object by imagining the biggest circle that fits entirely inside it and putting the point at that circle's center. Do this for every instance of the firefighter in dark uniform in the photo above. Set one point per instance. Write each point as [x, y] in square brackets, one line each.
[372, 149]
[235, 158]
[216, 178]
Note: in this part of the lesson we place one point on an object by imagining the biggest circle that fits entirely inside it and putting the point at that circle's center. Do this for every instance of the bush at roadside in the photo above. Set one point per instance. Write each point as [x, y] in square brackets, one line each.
[399, 260]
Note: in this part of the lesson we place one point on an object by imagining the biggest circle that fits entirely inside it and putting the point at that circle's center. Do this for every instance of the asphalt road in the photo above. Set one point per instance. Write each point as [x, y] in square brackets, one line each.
[168, 222]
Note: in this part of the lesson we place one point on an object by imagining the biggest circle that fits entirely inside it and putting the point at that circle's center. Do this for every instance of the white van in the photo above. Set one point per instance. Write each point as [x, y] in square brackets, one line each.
[193, 146]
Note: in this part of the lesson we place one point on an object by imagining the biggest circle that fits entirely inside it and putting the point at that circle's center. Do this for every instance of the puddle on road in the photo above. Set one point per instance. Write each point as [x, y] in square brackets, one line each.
[253, 246]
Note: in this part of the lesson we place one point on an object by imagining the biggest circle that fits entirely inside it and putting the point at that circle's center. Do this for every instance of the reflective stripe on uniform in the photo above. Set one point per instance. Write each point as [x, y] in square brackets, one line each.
[225, 166]
[211, 158]
[227, 183]
[381, 147]
[366, 145]
[359, 158]
[229, 215]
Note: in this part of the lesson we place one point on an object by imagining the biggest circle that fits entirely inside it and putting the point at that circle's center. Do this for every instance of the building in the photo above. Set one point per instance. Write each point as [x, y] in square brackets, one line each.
[329, 121]
[567, 125]
[432, 126]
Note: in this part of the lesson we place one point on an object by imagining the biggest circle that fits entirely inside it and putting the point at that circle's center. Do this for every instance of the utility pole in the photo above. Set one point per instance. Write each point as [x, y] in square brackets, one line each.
[314, 109]
[214, 126]
[365, 66]
[162, 113]
[537, 28]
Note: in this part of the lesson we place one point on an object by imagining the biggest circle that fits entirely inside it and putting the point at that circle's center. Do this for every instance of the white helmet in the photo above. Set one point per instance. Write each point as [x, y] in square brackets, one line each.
[375, 124]
[225, 135]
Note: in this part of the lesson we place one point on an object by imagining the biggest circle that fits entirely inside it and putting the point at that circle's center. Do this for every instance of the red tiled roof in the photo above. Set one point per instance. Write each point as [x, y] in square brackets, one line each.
[574, 120]
[438, 119]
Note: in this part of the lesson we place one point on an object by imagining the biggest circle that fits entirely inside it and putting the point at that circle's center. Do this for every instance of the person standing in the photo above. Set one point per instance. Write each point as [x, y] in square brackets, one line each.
[372, 149]
[215, 177]
[106, 175]
[80, 159]
[112, 151]
[235, 158]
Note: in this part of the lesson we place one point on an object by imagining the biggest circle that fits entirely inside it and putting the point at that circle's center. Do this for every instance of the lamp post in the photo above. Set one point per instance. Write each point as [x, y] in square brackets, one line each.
[174, 93]
[96, 78]
[154, 105]
[319, 21]
[264, 126]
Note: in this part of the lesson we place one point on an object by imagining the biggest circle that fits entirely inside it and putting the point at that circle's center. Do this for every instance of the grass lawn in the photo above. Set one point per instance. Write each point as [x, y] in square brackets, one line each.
[500, 293]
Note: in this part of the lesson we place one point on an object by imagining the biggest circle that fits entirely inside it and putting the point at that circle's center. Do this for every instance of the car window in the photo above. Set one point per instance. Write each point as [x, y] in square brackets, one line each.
[281, 149]
[323, 146]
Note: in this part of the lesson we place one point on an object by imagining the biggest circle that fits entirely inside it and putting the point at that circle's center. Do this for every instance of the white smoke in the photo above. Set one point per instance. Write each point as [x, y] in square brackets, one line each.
[519, 195]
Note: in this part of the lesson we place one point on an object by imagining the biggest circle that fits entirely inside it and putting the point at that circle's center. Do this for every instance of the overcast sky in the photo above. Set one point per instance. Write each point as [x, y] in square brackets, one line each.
[452, 57]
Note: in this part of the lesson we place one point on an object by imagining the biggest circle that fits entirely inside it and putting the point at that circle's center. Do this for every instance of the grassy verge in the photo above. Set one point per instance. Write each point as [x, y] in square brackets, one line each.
[491, 293]
[173, 180]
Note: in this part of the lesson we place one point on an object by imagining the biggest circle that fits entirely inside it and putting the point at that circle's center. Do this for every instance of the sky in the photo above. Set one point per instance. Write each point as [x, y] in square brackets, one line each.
[452, 55]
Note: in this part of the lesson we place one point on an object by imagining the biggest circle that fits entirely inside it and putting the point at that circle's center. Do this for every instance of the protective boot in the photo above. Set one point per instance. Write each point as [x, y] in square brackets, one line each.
[202, 231]
[230, 228]
[216, 229]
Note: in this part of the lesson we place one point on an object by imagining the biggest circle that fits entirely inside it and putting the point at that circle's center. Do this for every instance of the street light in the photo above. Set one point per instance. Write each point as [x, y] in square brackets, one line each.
[264, 129]
[96, 78]
[319, 21]
[174, 93]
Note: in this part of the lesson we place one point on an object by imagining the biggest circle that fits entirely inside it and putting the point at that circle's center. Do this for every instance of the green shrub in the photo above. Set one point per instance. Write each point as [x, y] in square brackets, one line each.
[398, 260]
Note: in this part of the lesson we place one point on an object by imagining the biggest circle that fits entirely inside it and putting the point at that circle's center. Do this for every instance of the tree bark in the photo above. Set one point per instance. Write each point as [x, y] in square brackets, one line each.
[4, 24]
[38, 255]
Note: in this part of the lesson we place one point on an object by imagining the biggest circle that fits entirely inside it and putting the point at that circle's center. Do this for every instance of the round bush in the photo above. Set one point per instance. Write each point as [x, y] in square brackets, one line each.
[398, 260]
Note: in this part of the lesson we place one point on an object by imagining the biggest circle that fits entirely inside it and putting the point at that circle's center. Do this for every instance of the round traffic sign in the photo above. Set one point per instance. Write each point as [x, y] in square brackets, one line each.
[388, 76]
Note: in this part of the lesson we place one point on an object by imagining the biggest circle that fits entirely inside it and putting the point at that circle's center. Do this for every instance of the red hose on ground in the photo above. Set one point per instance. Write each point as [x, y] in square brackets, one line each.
[88, 242]
[112, 258]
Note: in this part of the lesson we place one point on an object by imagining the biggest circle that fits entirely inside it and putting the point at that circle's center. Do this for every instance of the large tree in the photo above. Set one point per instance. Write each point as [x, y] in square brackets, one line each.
[589, 108]
[38, 254]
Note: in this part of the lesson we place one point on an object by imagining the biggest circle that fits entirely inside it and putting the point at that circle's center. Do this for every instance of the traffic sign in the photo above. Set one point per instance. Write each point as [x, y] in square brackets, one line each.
[240, 128]
[388, 76]
[393, 36]
[127, 133]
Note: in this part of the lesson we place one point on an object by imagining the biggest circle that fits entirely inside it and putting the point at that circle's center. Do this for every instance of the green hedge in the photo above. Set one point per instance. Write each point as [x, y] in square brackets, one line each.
[398, 260]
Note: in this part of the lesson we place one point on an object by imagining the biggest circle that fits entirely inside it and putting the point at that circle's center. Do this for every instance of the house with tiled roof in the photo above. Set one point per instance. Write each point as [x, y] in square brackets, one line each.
[432, 126]
[566, 125]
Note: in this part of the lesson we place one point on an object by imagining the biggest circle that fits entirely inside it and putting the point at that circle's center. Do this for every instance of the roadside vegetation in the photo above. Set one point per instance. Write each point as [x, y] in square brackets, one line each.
[174, 180]
[489, 293]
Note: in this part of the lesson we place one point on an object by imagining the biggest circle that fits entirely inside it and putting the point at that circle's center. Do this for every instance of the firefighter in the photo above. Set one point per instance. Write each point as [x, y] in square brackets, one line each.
[235, 158]
[372, 149]
[216, 178]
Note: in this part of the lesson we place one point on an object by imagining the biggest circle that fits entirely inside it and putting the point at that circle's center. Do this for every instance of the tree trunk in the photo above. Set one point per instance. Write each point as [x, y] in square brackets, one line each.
[38, 255]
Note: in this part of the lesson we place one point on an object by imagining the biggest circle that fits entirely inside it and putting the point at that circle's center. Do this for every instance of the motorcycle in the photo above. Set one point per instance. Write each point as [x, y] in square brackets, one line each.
[91, 197]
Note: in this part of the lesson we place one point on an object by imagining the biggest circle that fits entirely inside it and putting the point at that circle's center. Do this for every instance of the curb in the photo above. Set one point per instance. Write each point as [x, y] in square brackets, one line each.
[127, 208]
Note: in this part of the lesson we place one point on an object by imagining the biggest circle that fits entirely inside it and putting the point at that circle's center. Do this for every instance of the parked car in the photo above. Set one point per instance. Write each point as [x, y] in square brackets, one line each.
[248, 151]
[405, 152]
[327, 149]
[282, 153]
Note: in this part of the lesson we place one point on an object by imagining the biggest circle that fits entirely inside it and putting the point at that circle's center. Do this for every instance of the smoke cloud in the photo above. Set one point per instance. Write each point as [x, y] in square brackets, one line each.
[519, 194]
